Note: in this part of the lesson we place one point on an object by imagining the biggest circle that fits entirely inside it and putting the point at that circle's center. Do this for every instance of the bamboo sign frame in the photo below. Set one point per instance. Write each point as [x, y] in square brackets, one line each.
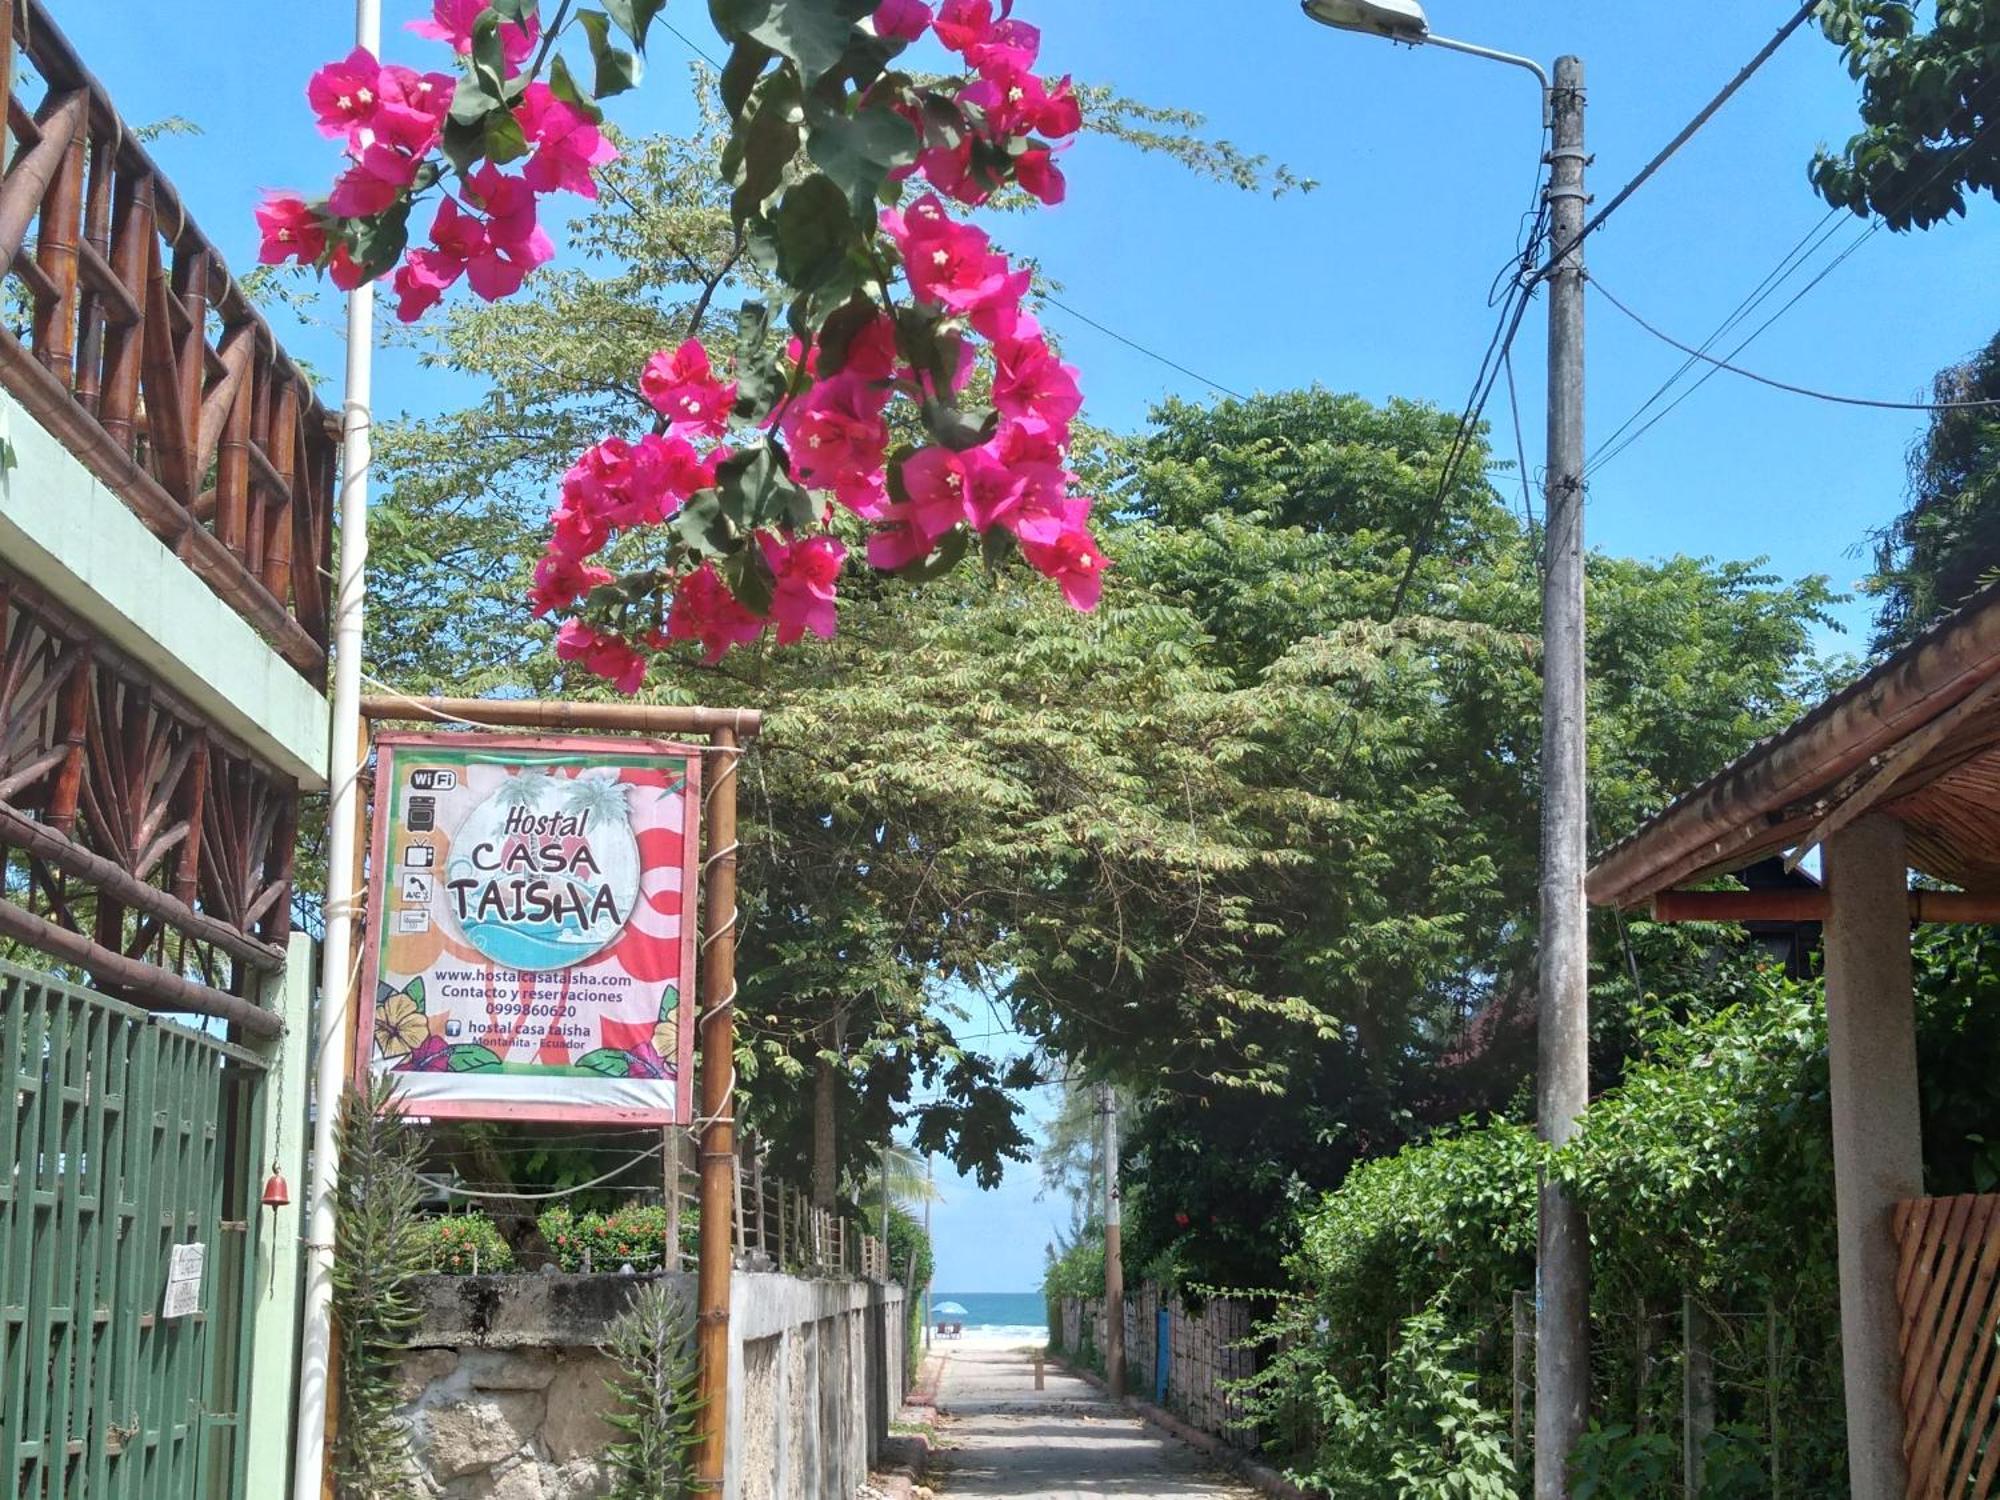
[727, 730]
[531, 946]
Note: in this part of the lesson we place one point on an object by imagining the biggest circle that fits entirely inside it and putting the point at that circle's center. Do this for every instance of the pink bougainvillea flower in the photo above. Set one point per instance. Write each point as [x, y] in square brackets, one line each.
[602, 655]
[1031, 383]
[806, 570]
[426, 94]
[1007, 47]
[837, 438]
[1061, 116]
[291, 230]
[1036, 170]
[963, 24]
[899, 542]
[950, 264]
[704, 610]
[421, 282]
[904, 20]
[386, 152]
[343, 270]
[936, 482]
[683, 388]
[452, 21]
[345, 94]
[949, 169]
[561, 581]
[1073, 560]
[1000, 316]
[514, 241]
[567, 143]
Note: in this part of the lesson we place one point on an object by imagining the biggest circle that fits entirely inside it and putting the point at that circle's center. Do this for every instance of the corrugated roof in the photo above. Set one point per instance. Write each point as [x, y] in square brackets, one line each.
[1780, 789]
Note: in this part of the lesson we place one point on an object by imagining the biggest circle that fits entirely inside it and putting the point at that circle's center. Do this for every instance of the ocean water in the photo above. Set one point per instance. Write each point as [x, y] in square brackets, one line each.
[1022, 1315]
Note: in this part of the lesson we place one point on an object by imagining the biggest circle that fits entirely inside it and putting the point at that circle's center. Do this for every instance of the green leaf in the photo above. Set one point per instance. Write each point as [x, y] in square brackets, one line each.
[378, 243]
[748, 573]
[470, 1057]
[415, 990]
[765, 142]
[488, 58]
[814, 34]
[757, 490]
[812, 232]
[635, 18]
[960, 429]
[515, 10]
[505, 141]
[609, 1061]
[746, 65]
[949, 554]
[840, 330]
[859, 151]
[563, 84]
[617, 69]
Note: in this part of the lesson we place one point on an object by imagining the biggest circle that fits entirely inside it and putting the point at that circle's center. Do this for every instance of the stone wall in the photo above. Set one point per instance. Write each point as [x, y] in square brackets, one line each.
[506, 1395]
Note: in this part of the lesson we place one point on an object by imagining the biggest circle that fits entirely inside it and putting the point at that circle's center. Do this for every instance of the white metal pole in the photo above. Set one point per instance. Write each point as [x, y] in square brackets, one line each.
[344, 781]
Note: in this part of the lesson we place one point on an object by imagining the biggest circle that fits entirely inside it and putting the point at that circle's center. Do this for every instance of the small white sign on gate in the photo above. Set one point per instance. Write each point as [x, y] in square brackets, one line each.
[184, 1281]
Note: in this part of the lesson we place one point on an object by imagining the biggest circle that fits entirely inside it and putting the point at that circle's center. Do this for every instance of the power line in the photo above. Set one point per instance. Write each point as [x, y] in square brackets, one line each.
[1792, 262]
[1687, 133]
[1152, 354]
[1801, 251]
[1782, 385]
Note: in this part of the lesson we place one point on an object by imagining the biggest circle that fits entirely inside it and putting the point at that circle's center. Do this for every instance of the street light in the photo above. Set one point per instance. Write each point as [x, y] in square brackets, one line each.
[1398, 20]
[1562, 1262]
[1404, 21]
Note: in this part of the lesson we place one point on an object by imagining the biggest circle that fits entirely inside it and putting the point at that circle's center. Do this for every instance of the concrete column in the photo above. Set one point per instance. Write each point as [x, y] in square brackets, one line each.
[1877, 1146]
[274, 1348]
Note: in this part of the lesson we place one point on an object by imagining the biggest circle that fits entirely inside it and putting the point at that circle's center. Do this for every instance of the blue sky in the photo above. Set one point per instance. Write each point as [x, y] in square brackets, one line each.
[1374, 283]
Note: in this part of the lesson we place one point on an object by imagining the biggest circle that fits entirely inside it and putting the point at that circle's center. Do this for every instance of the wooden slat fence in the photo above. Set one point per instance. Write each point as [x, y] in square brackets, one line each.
[1947, 1288]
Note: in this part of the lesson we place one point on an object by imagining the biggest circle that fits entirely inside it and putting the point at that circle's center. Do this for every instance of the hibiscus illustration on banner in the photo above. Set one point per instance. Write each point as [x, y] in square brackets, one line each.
[533, 950]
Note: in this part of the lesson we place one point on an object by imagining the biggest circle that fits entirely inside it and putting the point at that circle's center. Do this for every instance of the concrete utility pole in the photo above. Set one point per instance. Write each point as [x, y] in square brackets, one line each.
[1562, 1321]
[1114, 1262]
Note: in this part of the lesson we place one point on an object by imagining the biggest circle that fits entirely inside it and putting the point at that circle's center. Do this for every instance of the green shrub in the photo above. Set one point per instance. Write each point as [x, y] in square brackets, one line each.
[634, 1236]
[910, 1263]
[465, 1245]
[652, 1343]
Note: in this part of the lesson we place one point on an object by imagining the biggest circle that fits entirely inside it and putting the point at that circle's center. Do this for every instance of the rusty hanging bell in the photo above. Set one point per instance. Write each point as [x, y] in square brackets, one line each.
[277, 1192]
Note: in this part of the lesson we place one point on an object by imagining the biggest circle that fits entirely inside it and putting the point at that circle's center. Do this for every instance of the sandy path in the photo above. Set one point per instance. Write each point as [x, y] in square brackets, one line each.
[1002, 1437]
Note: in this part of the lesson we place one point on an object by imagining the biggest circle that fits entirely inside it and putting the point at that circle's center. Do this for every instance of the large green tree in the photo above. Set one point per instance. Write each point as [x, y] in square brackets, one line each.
[1946, 542]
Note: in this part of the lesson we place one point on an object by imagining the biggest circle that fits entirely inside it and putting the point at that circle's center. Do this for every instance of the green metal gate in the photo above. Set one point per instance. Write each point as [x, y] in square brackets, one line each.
[129, 1136]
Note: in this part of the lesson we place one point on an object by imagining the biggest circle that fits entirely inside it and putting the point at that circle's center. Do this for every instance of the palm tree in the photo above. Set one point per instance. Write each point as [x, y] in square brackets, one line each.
[600, 797]
[524, 790]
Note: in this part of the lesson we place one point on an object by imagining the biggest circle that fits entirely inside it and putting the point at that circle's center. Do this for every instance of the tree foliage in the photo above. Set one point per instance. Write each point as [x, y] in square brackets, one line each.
[1946, 542]
[1929, 97]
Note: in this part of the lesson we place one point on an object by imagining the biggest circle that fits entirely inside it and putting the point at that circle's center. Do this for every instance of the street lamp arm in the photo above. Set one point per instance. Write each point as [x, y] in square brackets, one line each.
[1472, 49]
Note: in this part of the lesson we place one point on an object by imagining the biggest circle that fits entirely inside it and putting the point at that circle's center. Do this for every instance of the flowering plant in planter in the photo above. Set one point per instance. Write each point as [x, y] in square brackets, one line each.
[733, 512]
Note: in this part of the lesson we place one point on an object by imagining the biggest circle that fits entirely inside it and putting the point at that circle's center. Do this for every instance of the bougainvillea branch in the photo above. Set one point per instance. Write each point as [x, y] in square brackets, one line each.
[848, 178]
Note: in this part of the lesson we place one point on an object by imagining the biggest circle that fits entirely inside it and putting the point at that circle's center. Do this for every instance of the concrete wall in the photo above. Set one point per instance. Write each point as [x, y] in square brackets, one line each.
[505, 1392]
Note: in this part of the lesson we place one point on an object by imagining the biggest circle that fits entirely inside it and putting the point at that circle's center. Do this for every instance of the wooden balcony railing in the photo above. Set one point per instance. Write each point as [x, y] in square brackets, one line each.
[143, 356]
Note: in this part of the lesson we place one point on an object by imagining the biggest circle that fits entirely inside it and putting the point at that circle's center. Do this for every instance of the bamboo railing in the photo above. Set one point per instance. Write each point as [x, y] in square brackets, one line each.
[133, 344]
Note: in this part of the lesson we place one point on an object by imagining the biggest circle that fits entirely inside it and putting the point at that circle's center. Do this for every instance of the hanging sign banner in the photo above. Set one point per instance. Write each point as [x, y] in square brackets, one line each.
[531, 901]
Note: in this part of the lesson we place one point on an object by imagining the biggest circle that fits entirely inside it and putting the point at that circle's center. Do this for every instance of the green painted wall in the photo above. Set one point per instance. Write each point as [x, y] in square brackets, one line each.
[74, 537]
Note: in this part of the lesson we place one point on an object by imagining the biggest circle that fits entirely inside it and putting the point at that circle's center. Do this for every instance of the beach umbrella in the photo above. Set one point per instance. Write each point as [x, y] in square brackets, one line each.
[948, 1310]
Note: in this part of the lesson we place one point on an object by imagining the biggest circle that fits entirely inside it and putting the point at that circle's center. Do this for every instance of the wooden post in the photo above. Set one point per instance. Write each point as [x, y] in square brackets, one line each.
[1524, 1353]
[718, 1074]
[1697, 1391]
[670, 1176]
